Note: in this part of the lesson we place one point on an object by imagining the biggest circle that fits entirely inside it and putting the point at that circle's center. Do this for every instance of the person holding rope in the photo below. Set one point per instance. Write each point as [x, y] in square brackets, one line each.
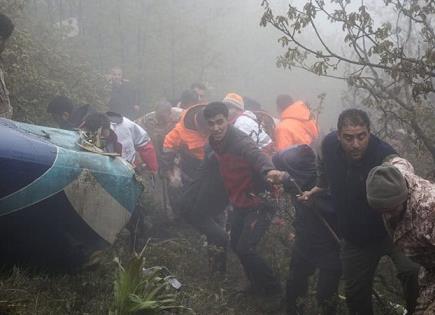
[347, 156]
[245, 171]
[316, 245]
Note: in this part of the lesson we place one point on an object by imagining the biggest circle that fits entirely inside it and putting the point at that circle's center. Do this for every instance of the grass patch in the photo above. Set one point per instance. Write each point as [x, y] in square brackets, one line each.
[182, 252]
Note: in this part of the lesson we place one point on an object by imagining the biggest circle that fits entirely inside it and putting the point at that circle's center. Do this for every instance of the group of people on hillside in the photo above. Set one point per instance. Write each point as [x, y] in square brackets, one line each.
[355, 200]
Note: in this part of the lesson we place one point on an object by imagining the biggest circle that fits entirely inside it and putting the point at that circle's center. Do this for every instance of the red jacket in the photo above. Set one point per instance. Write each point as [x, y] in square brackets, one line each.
[148, 156]
[243, 167]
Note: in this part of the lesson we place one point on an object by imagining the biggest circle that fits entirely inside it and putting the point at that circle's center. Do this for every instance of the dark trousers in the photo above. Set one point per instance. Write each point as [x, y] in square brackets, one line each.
[359, 267]
[247, 228]
[302, 266]
[203, 203]
[211, 226]
[213, 229]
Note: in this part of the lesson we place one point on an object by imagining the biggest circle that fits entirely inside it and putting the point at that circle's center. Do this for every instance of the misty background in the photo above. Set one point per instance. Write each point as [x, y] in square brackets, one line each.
[165, 45]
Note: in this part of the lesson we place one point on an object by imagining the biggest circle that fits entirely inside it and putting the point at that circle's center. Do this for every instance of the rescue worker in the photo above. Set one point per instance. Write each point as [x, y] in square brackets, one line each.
[316, 246]
[158, 124]
[407, 203]
[205, 199]
[6, 29]
[186, 139]
[247, 122]
[347, 156]
[245, 170]
[66, 114]
[296, 126]
[183, 151]
[123, 136]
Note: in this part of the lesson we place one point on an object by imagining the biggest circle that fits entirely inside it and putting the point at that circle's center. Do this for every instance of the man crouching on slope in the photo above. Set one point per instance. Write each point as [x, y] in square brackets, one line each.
[407, 203]
[245, 171]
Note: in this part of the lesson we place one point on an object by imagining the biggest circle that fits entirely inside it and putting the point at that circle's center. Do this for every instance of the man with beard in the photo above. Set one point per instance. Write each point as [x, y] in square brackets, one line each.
[347, 156]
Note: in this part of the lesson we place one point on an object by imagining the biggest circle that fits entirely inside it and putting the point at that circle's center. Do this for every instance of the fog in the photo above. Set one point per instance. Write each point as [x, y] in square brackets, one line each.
[165, 45]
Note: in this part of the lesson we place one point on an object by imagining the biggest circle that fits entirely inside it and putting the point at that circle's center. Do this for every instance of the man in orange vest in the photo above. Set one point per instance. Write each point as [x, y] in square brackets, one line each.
[183, 151]
[296, 125]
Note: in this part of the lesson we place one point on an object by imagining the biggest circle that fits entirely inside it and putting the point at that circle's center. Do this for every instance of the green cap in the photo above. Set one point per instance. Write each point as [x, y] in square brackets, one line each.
[386, 187]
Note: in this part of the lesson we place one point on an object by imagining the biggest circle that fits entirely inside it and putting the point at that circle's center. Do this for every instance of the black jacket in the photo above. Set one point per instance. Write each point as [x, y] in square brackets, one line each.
[205, 195]
[311, 232]
[358, 223]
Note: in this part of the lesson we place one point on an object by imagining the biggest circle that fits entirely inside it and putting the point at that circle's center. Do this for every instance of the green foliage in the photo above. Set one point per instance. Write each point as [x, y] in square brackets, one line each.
[91, 291]
[39, 64]
[142, 291]
[146, 38]
[390, 65]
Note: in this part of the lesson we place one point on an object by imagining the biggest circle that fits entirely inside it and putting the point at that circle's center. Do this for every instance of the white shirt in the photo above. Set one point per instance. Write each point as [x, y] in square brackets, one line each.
[248, 123]
[130, 136]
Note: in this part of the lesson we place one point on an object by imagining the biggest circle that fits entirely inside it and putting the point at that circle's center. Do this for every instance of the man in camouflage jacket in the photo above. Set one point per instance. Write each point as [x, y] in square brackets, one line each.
[159, 122]
[408, 204]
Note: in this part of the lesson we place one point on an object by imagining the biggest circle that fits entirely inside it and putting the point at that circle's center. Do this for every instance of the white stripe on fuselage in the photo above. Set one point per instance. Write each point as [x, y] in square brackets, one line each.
[103, 213]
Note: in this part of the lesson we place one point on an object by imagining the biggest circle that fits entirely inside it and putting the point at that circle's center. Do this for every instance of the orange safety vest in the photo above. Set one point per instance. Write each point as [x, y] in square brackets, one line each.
[190, 139]
[295, 127]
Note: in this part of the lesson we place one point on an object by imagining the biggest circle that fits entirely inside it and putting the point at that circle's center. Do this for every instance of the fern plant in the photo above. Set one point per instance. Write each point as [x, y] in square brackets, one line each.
[143, 291]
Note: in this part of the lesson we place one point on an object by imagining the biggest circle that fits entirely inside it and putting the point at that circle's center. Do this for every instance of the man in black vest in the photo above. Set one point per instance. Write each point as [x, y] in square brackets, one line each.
[347, 156]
